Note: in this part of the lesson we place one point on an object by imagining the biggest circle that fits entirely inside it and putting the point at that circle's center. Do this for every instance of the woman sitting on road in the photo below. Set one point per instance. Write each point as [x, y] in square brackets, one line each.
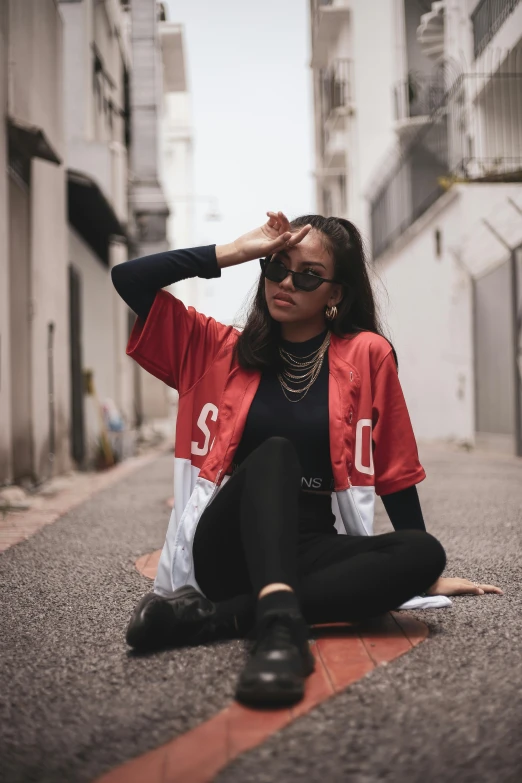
[285, 433]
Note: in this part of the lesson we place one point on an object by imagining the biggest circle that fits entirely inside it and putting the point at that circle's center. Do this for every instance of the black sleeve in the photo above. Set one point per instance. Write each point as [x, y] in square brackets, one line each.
[138, 281]
[404, 509]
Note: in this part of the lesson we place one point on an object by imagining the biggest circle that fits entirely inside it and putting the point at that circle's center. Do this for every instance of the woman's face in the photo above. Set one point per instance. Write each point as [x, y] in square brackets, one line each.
[310, 255]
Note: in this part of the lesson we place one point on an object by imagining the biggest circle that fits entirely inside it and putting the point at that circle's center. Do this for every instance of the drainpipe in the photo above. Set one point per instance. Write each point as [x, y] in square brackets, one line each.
[50, 395]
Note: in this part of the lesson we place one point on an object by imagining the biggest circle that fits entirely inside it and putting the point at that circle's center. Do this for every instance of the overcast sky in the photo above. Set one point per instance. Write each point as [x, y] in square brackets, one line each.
[250, 81]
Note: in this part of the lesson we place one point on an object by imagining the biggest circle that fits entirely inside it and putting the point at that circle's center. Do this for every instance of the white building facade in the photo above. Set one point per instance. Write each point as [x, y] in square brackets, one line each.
[432, 164]
[34, 357]
[82, 99]
[177, 152]
[97, 67]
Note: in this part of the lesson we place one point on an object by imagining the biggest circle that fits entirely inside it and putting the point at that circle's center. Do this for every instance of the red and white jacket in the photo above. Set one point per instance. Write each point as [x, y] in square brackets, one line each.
[372, 446]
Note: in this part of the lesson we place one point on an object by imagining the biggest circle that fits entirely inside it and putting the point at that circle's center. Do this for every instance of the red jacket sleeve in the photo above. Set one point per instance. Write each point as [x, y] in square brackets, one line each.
[176, 344]
[395, 455]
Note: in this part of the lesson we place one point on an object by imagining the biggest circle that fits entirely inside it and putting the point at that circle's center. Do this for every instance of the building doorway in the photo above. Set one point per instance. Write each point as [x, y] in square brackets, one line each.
[498, 369]
[20, 316]
[77, 383]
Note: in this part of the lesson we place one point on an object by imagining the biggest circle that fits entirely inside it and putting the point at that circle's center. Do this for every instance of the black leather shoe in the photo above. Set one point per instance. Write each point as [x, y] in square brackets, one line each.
[159, 622]
[279, 663]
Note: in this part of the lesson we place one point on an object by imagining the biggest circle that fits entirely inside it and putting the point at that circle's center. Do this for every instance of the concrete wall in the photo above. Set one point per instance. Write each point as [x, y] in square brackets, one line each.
[150, 209]
[31, 65]
[77, 66]
[370, 40]
[93, 146]
[97, 324]
[458, 38]
[35, 66]
[375, 69]
[147, 90]
[428, 315]
[50, 305]
[428, 304]
[5, 356]
[104, 327]
[417, 62]
[96, 147]
[177, 168]
[429, 308]
[177, 178]
[124, 366]
[20, 325]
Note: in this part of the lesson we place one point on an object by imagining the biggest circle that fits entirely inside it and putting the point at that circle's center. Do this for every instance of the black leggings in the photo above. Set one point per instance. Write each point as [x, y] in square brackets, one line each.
[260, 528]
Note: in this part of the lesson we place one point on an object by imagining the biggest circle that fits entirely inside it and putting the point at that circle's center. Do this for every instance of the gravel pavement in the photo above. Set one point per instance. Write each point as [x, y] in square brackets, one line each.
[451, 710]
[74, 703]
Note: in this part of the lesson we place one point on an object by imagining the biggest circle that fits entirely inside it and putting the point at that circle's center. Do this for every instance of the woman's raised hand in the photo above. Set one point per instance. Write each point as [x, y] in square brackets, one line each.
[274, 235]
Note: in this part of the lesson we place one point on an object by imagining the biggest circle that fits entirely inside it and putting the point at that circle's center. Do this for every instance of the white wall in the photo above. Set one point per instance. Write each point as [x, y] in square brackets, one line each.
[417, 62]
[35, 66]
[429, 320]
[97, 149]
[429, 313]
[429, 306]
[375, 74]
[481, 251]
[459, 37]
[177, 170]
[50, 304]
[124, 366]
[97, 323]
[93, 146]
[31, 65]
[177, 180]
[371, 39]
[78, 69]
[5, 357]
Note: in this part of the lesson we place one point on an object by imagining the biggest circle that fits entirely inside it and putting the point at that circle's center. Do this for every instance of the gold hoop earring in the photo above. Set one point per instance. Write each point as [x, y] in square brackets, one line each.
[331, 313]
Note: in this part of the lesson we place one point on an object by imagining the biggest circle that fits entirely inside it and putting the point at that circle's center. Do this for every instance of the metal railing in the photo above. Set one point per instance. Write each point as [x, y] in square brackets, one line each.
[473, 135]
[417, 96]
[487, 18]
[336, 86]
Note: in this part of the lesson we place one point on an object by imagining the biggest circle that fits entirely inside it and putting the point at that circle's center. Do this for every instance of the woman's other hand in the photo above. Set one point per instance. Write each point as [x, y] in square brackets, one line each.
[458, 586]
[275, 234]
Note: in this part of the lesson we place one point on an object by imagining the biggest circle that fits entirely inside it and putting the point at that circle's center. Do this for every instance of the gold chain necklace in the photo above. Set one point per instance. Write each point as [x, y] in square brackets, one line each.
[309, 370]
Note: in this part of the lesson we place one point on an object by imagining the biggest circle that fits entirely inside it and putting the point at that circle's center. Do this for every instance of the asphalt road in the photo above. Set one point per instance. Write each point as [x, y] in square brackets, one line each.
[74, 703]
[451, 710]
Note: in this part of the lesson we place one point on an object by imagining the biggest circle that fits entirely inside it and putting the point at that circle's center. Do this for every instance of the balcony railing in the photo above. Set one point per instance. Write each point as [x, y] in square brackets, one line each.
[417, 96]
[473, 135]
[316, 8]
[487, 18]
[336, 86]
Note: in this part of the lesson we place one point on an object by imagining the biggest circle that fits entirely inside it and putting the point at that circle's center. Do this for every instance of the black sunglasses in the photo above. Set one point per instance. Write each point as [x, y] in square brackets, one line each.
[276, 271]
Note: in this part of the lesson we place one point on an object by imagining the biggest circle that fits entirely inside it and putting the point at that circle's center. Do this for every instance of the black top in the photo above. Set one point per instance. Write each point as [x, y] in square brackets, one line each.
[138, 281]
[304, 423]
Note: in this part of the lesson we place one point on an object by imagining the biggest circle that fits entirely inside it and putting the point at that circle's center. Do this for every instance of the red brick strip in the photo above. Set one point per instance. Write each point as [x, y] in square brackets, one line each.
[148, 564]
[343, 654]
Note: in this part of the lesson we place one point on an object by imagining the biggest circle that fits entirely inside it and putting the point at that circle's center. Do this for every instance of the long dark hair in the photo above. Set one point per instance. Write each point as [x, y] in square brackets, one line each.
[257, 345]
